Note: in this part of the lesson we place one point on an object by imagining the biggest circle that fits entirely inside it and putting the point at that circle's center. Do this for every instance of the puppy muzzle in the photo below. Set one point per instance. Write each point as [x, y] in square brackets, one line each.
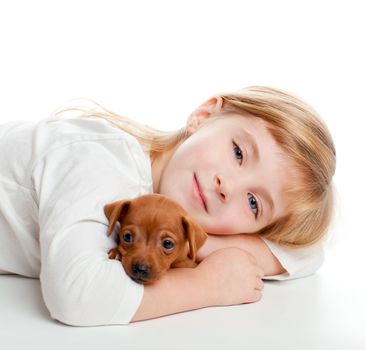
[141, 272]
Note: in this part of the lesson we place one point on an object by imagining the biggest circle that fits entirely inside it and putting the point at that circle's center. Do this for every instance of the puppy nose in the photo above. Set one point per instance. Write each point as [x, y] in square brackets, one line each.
[141, 270]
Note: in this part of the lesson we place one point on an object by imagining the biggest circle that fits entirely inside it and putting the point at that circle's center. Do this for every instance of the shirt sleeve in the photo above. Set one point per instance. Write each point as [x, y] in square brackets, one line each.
[298, 262]
[80, 285]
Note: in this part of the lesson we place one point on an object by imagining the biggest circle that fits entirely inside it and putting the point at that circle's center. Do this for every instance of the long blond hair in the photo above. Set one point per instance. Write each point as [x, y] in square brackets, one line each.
[295, 126]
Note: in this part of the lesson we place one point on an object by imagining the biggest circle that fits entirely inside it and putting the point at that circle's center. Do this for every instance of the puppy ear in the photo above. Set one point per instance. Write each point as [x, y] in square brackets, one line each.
[116, 211]
[195, 234]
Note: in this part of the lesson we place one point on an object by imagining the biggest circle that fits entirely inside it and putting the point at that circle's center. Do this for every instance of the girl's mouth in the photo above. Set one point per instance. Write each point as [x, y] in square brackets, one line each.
[198, 193]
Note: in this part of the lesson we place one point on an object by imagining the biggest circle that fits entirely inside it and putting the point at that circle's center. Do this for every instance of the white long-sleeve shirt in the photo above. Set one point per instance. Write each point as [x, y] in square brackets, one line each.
[55, 178]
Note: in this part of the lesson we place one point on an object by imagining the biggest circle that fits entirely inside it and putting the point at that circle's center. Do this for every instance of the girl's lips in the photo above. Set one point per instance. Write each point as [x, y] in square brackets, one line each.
[198, 192]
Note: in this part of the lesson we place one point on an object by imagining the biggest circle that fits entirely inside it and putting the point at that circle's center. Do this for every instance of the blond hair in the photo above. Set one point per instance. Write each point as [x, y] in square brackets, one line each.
[295, 126]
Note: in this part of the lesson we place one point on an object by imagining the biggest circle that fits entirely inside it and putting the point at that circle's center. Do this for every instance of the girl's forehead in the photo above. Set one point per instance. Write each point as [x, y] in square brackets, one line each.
[239, 119]
[235, 122]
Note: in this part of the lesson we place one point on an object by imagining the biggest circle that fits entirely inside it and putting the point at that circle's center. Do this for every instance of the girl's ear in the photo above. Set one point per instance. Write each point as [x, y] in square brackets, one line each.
[203, 112]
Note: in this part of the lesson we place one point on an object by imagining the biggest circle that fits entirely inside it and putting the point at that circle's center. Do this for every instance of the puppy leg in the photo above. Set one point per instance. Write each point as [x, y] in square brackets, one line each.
[114, 254]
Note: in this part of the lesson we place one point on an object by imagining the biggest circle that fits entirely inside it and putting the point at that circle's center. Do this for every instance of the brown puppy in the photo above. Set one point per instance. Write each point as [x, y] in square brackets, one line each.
[155, 234]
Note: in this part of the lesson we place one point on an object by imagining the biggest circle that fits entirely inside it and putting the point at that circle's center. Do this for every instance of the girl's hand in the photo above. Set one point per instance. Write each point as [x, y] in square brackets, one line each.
[250, 243]
[232, 277]
[227, 276]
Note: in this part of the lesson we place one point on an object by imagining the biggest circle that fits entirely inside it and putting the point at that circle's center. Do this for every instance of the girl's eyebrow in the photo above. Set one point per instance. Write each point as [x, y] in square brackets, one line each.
[267, 197]
[262, 192]
[255, 150]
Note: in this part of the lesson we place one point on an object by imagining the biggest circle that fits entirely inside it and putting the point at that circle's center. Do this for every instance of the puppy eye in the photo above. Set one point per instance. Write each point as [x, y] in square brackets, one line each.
[168, 244]
[127, 237]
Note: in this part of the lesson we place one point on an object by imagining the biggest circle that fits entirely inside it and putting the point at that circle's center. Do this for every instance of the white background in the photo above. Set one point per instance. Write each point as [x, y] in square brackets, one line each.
[156, 61]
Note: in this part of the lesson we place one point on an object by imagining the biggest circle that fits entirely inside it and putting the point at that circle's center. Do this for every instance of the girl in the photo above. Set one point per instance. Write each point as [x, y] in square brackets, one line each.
[253, 167]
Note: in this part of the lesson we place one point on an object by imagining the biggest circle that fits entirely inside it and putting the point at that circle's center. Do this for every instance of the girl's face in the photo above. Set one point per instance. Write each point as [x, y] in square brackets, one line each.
[228, 175]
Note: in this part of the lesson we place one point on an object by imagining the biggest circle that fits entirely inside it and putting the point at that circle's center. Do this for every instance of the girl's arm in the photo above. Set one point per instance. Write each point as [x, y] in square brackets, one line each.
[248, 242]
[226, 277]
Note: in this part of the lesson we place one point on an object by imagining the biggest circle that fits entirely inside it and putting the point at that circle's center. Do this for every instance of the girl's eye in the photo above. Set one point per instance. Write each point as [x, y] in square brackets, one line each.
[127, 237]
[237, 152]
[251, 199]
[253, 204]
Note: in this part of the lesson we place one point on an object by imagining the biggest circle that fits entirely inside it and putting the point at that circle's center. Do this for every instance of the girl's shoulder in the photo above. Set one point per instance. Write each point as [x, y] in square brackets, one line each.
[298, 262]
[83, 129]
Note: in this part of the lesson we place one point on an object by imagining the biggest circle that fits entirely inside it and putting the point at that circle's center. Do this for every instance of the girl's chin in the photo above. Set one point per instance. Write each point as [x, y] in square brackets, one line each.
[216, 231]
[220, 233]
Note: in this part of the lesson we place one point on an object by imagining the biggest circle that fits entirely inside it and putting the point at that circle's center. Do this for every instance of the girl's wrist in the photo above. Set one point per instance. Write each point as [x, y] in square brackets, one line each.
[205, 291]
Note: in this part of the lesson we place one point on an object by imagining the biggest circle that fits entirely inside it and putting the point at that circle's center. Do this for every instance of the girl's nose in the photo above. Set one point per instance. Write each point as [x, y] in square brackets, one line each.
[222, 188]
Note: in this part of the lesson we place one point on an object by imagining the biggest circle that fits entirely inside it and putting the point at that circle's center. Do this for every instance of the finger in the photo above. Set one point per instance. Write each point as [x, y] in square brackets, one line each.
[259, 285]
[256, 296]
[260, 273]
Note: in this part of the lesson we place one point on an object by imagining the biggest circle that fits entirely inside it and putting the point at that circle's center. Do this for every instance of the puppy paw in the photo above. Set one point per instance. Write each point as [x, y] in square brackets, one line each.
[114, 254]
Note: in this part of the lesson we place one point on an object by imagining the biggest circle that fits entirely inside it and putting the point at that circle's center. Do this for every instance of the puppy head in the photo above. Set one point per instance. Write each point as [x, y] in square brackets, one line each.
[155, 234]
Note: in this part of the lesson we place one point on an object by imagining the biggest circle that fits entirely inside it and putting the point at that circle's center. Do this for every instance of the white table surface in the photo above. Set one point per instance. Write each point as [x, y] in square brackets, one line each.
[323, 311]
